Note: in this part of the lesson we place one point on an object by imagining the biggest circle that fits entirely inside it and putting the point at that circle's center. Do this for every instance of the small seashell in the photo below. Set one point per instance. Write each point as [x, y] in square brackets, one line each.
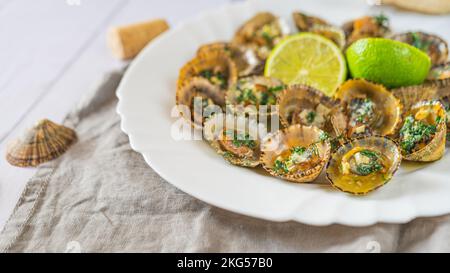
[236, 138]
[429, 90]
[298, 99]
[434, 148]
[44, 142]
[384, 117]
[365, 27]
[245, 58]
[283, 142]
[439, 72]
[343, 176]
[261, 33]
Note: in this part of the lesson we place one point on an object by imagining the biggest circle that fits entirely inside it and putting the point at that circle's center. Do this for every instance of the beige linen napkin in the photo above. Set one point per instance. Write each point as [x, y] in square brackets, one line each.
[102, 197]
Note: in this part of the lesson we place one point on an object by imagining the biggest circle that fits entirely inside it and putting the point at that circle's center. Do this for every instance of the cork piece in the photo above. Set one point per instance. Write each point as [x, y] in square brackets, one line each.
[127, 41]
[429, 6]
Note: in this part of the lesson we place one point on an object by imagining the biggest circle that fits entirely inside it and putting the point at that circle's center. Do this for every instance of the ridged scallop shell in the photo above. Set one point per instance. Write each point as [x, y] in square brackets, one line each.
[435, 149]
[246, 31]
[382, 145]
[298, 97]
[247, 63]
[197, 88]
[365, 27]
[206, 61]
[433, 45]
[388, 107]
[44, 142]
[429, 90]
[439, 72]
[305, 22]
[213, 132]
[245, 35]
[275, 144]
[442, 87]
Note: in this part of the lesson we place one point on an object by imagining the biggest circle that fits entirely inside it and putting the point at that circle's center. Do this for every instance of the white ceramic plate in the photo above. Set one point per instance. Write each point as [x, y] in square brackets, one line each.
[147, 95]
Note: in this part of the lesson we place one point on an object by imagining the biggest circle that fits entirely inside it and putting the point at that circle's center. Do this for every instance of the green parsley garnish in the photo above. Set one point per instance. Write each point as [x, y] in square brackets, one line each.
[414, 132]
[370, 154]
[382, 20]
[207, 74]
[267, 37]
[371, 167]
[310, 117]
[298, 150]
[215, 78]
[244, 140]
[264, 98]
[361, 110]
[269, 97]
[228, 154]
[324, 136]
[275, 89]
[280, 167]
[247, 95]
[419, 43]
[366, 169]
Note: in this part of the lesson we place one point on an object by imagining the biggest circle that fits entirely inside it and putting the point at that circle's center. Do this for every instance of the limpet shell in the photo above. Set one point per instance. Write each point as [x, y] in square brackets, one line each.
[388, 108]
[435, 149]
[273, 145]
[305, 23]
[366, 27]
[439, 72]
[297, 97]
[208, 60]
[198, 88]
[213, 133]
[429, 90]
[350, 183]
[245, 58]
[247, 33]
[44, 142]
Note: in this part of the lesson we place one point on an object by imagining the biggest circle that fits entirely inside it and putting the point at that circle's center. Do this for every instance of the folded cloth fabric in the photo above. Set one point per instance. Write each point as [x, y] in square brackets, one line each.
[102, 197]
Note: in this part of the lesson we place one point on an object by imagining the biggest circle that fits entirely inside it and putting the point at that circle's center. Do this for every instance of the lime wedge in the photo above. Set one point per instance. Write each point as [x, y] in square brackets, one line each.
[309, 59]
[391, 63]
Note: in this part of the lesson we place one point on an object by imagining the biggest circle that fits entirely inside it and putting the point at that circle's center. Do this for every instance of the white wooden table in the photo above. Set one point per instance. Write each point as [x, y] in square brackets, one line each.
[51, 51]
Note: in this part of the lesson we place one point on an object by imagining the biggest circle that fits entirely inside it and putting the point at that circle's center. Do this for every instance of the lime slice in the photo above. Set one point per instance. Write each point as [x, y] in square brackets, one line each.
[309, 59]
